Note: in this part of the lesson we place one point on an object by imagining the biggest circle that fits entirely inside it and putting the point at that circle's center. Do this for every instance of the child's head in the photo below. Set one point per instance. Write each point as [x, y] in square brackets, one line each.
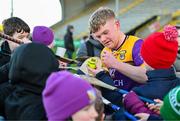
[67, 95]
[159, 50]
[43, 35]
[16, 28]
[31, 64]
[171, 106]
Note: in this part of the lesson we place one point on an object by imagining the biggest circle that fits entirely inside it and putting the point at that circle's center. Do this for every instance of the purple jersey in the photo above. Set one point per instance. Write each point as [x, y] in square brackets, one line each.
[121, 81]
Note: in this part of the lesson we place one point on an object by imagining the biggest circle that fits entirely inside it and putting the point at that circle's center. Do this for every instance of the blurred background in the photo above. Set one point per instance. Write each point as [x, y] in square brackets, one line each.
[137, 17]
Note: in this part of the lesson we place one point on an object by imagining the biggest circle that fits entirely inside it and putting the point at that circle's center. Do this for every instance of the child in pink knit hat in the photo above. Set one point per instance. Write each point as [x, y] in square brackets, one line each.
[67, 96]
[159, 51]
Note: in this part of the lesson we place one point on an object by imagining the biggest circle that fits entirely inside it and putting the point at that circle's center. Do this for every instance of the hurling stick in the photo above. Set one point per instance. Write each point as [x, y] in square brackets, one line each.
[99, 83]
[82, 59]
[4, 36]
[95, 81]
[71, 68]
[66, 60]
[83, 67]
[117, 108]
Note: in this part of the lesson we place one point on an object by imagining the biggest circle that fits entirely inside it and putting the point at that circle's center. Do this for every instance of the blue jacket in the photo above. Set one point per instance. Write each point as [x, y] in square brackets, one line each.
[160, 82]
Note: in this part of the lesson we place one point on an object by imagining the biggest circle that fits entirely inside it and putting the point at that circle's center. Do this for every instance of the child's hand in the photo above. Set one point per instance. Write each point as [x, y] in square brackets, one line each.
[108, 59]
[155, 107]
[142, 116]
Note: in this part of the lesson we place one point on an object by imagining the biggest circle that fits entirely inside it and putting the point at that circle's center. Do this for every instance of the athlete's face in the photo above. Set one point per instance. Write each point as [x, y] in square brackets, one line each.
[108, 34]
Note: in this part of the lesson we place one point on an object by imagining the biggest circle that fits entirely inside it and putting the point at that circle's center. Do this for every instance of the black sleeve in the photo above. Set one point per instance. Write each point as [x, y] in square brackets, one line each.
[111, 95]
[4, 71]
[69, 45]
[105, 77]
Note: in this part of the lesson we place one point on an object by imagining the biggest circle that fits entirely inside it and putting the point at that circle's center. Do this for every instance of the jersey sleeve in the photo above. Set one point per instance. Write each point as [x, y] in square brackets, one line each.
[138, 60]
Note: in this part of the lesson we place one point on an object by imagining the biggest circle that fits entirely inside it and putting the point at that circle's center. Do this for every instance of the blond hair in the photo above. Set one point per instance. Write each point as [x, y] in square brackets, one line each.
[99, 18]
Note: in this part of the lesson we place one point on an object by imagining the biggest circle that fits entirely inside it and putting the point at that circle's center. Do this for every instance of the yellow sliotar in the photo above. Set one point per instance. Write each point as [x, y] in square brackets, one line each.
[92, 63]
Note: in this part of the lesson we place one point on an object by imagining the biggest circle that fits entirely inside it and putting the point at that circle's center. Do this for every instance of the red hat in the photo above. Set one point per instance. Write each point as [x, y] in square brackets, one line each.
[159, 50]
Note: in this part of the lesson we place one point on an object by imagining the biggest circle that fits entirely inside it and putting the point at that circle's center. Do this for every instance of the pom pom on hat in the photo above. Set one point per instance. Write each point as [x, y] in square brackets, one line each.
[170, 33]
[43, 35]
[65, 94]
[159, 50]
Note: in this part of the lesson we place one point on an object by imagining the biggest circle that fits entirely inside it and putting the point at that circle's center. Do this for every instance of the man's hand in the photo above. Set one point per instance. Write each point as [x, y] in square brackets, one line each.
[108, 59]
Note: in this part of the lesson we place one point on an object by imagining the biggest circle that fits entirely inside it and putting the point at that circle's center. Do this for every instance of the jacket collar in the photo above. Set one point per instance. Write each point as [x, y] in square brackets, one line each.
[161, 74]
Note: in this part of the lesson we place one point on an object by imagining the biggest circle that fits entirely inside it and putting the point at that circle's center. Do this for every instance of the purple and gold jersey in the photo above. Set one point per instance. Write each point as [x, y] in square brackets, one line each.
[129, 52]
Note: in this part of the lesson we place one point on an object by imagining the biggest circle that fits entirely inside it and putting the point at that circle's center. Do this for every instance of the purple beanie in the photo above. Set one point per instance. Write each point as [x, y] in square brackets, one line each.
[43, 35]
[65, 94]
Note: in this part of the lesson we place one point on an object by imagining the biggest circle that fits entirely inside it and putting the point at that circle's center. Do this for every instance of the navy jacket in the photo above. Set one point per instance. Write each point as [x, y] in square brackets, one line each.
[160, 82]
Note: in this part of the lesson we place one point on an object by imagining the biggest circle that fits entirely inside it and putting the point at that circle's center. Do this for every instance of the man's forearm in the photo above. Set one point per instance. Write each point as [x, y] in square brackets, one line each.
[136, 73]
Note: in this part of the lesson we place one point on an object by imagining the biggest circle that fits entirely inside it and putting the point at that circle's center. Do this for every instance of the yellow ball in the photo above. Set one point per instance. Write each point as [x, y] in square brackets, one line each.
[92, 63]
